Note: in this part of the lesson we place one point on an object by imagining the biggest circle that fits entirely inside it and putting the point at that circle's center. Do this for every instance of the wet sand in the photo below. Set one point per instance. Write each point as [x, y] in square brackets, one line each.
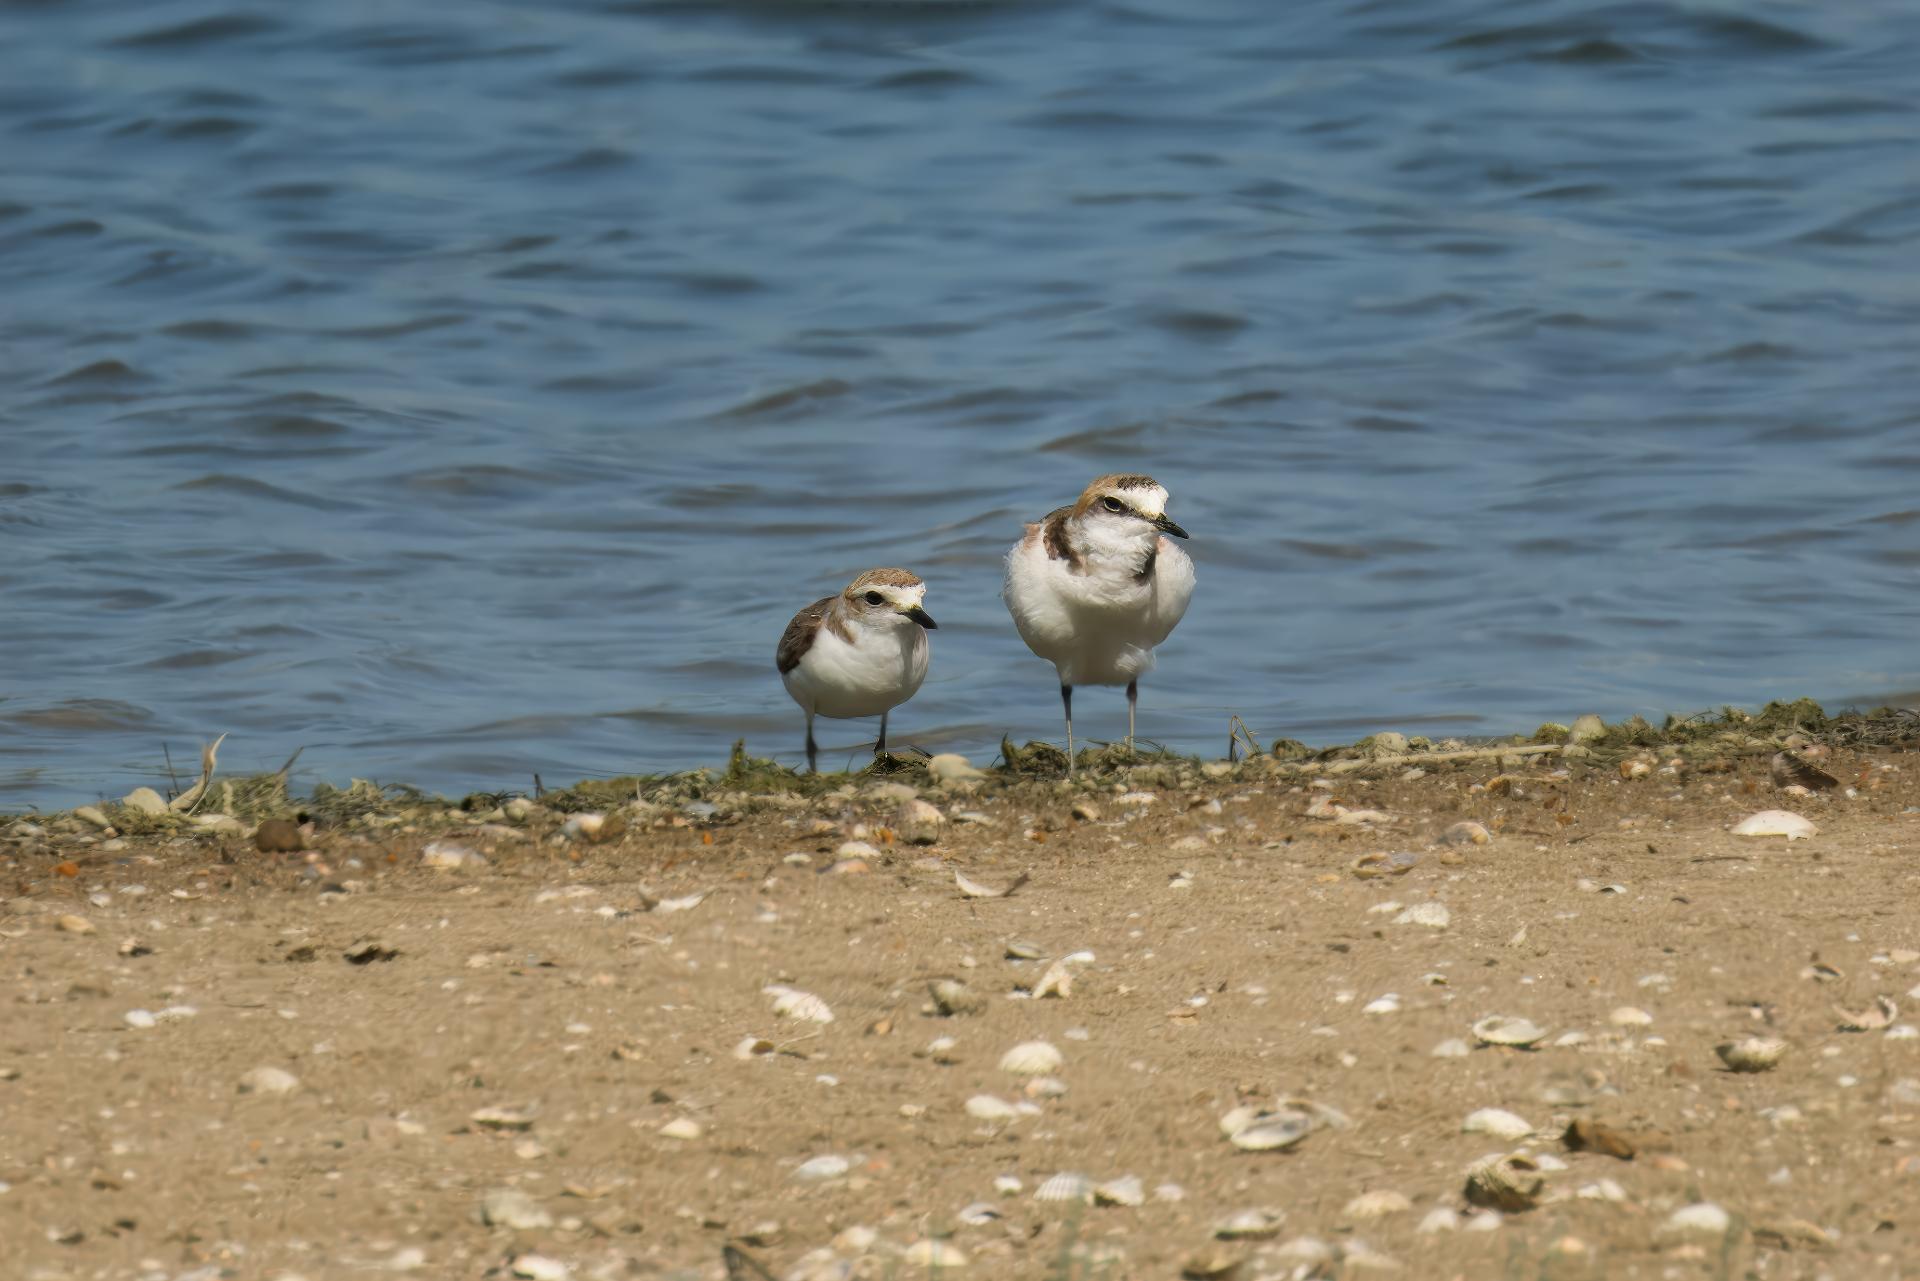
[568, 1021]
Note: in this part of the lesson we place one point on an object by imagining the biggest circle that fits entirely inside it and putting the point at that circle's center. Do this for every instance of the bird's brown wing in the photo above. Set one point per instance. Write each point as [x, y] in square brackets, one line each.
[798, 638]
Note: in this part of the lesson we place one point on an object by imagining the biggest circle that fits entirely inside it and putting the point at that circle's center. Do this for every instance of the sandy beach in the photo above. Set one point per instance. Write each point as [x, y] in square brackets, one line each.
[778, 1012]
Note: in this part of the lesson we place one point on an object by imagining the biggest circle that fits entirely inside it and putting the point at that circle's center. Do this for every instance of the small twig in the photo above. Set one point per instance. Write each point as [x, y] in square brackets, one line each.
[537, 789]
[173, 779]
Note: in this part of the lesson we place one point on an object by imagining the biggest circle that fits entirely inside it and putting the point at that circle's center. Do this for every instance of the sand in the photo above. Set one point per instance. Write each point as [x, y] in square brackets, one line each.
[568, 1022]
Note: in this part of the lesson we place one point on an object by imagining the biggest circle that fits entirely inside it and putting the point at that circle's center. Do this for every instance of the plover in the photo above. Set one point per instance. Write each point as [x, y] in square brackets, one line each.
[861, 653]
[1095, 586]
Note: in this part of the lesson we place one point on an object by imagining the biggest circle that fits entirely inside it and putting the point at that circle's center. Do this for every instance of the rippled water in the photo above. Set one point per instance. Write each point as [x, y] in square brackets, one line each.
[469, 390]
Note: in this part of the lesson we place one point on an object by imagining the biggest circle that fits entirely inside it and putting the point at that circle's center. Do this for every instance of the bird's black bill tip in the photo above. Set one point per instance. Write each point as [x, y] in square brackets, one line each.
[922, 617]
[1166, 526]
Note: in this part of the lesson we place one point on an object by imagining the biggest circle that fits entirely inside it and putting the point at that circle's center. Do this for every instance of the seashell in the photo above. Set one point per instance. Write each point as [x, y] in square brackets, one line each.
[1377, 1205]
[1510, 1182]
[1238, 1119]
[1791, 769]
[583, 827]
[448, 854]
[1356, 818]
[1499, 1123]
[951, 767]
[502, 1119]
[1882, 1014]
[1388, 1004]
[1506, 1029]
[1249, 1225]
[1703, 1218]
[978, 1215]
[1007, 1185]
[1468, 833]
[1065, 1186]
[1629, 1016]
[1451, 1048]
[1751, 1054]
[1136, 798]
[1272, 1131]
[952, 997]
[1216, 1263]
[1432, 915]
[1775, 823]
[1126, 1190]
[1441, 1219]
[1019, 951]
[933, 1256]
[821, 1168]
[974, 889]
[752, 1047]
[684, 904]
[1369, 866]
[684, 1127]
[1044, 1087]
[1032, 1058]
[791, 1003]
[1058, 980]
[988, 1107]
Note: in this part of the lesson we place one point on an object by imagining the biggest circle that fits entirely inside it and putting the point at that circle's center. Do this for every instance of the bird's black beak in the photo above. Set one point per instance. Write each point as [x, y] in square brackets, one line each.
[921, 617]
[1166, 526]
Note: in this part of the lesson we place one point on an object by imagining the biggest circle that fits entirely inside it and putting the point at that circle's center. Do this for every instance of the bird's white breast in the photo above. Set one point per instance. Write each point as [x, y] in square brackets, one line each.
[879, 669]
[1098, 625]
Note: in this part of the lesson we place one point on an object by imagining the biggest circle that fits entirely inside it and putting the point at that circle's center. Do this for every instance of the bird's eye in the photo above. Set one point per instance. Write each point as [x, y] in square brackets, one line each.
[875, 598]
[1113, 504]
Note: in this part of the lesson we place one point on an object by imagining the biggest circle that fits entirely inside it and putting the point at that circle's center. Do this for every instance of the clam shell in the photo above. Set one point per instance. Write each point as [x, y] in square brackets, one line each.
[1018, 950]
[978, 1215]
[1506, 1029]
[1498, 1122]
[1249, 1225]
[952, 997]
[821, 1168]
[1370, 866]
[1032, 1058]
[1881, 1014]
[791, 1003]
[1126, 1190]
[1510, 1182]
[1776, 823]
[1058, 980]
[1272, 1131]
[988, 1107]
[1751, 1054]
[1065, 1186]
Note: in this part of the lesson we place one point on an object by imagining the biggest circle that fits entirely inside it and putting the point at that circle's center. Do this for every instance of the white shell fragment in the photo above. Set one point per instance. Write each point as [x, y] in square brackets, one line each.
[1058, 980]
[792, 1003]
[1630, 1016]
[933, 1256]
[974, 889]
[1065, 1186]
[502, 1119]
[1510, 1182]
[1249, 1225]
[269, 1080]
[1432, 915]
[681, 1127]
[1377, 1205]
[1880, 1014]
[1506, 1029]
[1751, 1054]
[1775, 823]
[1498, 1122]
[821, 1168]
[1271, 1131]
[1126, 1190]
[1032, 1058]
[988, 1107]
[1703, 1218]
[752, 1047]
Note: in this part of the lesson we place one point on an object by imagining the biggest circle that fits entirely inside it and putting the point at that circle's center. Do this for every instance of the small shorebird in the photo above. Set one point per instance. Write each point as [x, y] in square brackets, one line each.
[1095, 586]
[861, 653]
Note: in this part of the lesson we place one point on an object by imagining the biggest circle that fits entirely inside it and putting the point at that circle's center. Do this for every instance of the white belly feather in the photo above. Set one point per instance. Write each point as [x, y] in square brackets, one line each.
[1096, 628]
[876, 671]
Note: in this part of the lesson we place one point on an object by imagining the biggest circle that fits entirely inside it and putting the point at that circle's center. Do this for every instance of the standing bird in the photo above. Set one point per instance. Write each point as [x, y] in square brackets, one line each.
[861, 653]
[1095, 586]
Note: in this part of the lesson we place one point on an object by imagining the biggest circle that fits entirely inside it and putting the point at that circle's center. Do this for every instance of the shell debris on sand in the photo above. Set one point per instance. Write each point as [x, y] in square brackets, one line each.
[951, 998]
[269, 1080]
[1776, 823]
[1065, 1187]
[1032, 1058]
[1508, 1030]
[819, 1169]
[1498, 1122]
[1752, 1053]
[1510, 1182]
[1372, 866]
[991, 1107]
[1250, 1225]
[974, 889]
[1127, 1190]
[1266, 1131]
[1432, 915]
[1058, 980]
[792, 1003]
[1879, 1015]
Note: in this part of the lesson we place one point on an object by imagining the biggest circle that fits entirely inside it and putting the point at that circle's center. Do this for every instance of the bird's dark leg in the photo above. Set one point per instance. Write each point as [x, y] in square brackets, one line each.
[880, 748]
[1133, 695]
[813, 753]
[1066, 701]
